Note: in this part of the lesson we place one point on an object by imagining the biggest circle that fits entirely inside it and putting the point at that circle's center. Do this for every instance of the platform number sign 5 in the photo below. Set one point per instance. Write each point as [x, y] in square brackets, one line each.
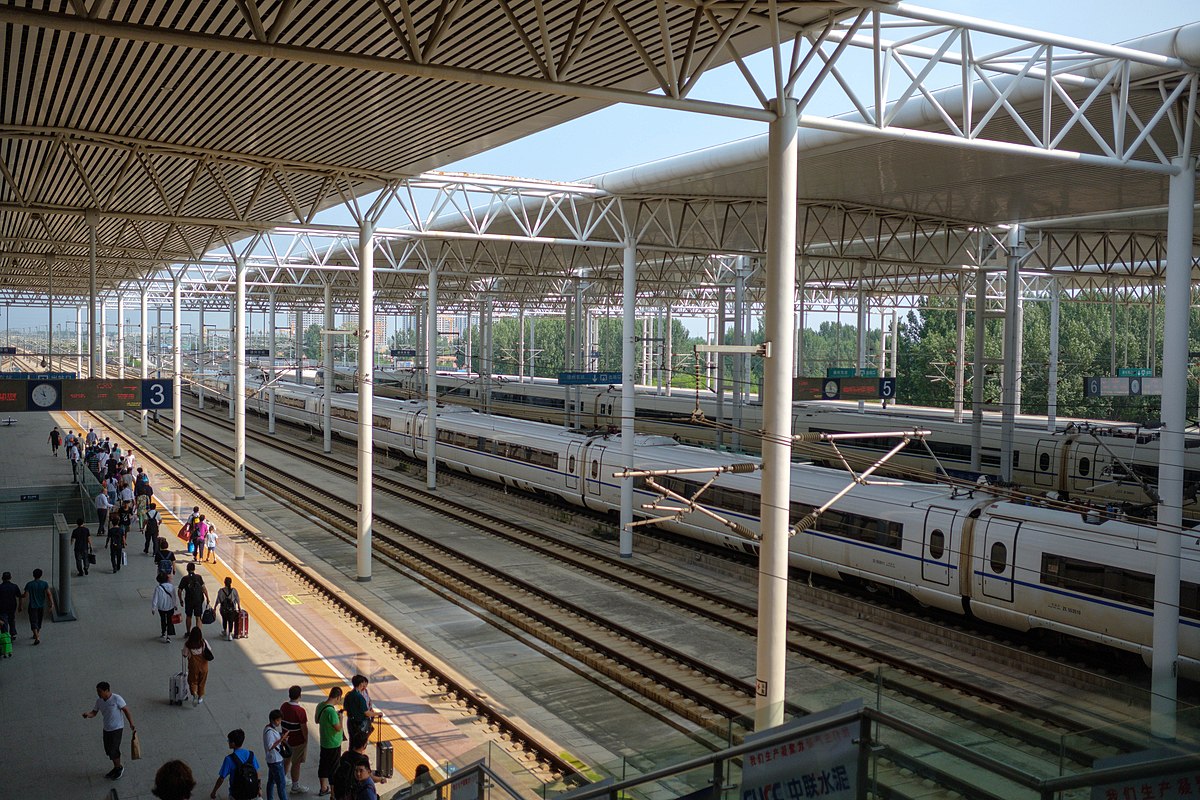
[156, 394]
[887, 388]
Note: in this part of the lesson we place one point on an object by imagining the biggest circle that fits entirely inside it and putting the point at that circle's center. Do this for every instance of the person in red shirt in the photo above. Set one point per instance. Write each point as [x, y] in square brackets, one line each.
[295, 731]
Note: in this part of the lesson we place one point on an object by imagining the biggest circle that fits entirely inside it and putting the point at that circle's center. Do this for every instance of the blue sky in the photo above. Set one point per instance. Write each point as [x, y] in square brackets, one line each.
[621, 136]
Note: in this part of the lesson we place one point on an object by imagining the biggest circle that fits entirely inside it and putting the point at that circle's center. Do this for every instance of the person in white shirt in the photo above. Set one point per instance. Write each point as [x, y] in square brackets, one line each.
[272, 741]
[102, 462]
[111, 706]
[91, 437]
[125, 494]
[103, 505]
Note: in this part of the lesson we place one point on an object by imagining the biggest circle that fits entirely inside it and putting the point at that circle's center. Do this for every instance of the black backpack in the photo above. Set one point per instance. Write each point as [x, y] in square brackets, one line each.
[243, 782]
[341, 782]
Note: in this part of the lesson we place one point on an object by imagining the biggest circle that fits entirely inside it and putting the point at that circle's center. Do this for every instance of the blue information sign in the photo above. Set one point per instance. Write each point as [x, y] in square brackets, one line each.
[156, 394]
[589, 378]
[37, 376]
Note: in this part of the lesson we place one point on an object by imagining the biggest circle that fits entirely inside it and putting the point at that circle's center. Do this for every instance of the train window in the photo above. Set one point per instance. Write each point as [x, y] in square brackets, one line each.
[1016, 459]
[937, 544]
[571, 463]
[999, 557]
[1044, 462]
[1085, 466]
[595, 469]
[1114, 583]
[1189, 600]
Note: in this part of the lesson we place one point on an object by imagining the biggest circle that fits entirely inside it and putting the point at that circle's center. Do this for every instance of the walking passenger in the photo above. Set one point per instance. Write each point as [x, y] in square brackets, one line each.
[193, 594]
[210, 542]
[295, 728]
[103, 505]
[150, 529]
[90, 439]
[163, 603]
[197, 663]
[10, 596]
[37, 592]
[116, 545]
[329, 725]
[241, 768]
[273, 739]
[111, 706]
[55, 440]
[199, 531]
[230, 605]
[76, 462]
[81, 541]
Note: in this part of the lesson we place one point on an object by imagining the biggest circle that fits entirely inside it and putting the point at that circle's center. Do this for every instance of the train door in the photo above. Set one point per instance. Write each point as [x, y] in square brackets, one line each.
[593, 483]
[1082, 467]
[937, 546]
[574, 467]
[1045, 462]
[997, 559]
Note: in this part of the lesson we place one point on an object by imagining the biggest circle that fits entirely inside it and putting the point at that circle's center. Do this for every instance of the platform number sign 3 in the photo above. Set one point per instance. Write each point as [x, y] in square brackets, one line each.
[156, 394]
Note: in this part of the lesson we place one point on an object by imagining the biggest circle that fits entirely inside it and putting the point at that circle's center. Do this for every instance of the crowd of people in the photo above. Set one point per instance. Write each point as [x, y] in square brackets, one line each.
[344, 720]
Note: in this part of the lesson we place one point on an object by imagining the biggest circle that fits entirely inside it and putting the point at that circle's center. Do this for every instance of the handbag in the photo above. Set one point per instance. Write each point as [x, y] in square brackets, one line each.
[91, 557]
[208, 653]
[135, 747]
[209, 616]
[284, 750]
[124, 559]
[176, 618]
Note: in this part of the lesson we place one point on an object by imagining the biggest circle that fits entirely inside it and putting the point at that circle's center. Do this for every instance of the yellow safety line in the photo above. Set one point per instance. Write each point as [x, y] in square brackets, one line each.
[314, 665]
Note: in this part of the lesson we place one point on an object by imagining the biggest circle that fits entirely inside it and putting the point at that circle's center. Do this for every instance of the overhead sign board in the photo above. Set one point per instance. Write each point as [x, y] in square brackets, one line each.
[1134, 372]
[404, 352]
[8, 351]
[589, 378]
[1103, 386]
[840, 372]
[37, 376]
[52, 394]
[844, 388]
[102, 395]
[257, 352]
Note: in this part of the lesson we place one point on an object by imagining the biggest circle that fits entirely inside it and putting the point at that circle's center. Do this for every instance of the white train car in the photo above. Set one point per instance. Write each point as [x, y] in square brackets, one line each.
[1094, 460]
[1025, 567]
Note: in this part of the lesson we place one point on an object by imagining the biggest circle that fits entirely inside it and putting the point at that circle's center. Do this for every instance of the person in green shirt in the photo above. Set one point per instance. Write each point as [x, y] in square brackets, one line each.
[329, 724]
[37, 592]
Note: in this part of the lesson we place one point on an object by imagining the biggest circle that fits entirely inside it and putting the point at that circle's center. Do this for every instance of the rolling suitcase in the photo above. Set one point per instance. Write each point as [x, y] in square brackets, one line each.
[384, 765]
[241, 626]
[179, 691]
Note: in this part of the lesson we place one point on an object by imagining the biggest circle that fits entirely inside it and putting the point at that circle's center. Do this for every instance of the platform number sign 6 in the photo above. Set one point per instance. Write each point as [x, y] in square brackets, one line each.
[156, 394]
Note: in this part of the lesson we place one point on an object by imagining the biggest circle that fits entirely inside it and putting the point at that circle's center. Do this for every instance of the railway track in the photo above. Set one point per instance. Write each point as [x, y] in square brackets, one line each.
[708, 695]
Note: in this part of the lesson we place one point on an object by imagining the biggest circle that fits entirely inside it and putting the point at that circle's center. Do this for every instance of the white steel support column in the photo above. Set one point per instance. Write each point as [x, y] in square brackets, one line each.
[177, 365]
[93, 219]
[720, 368]
[861, 337]
[1052, 378]
[50, 312]
[299, 322]
[201, 342]
[79, 340]
[960, 348]
[628, 364]
[533, 349]
[1012, 361]
[327, 363]
[669, 350]
[271, 362]
[103, 338]
[120, 345]
[145, 330]
[233, 333]
[238, 358]
[1176, 314]
[366, 396]
[777, 406]
[977, 370]
[741, 375]
[431, 347]
[521, 344]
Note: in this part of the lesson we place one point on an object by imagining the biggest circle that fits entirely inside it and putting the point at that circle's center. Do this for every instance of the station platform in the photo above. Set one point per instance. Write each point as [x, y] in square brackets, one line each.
[114, 638]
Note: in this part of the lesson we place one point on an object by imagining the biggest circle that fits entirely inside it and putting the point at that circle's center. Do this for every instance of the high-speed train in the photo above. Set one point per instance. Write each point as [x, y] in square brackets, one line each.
[1088, 574]
[1111, 461]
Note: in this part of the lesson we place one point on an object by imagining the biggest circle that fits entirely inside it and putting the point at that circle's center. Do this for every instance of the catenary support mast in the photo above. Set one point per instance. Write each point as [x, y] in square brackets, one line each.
[628, 303]
[238, 359]
[177, 365]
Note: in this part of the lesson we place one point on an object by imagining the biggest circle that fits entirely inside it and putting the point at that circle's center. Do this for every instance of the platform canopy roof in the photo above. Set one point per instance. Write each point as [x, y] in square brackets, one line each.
[174, 130]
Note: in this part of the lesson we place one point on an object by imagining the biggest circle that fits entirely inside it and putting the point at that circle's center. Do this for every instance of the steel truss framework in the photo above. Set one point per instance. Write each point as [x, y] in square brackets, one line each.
[158, 203]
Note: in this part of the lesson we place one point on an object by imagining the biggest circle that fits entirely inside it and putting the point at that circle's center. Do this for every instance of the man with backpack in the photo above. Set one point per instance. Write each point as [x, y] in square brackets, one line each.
[240, 767]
